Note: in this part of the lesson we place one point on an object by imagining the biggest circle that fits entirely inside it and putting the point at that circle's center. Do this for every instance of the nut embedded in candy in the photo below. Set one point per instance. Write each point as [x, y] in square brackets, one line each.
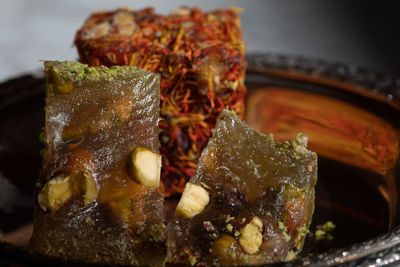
[193, 201]
[261, 199]
[95, 127]
[146, 166]
[251, 236]
[61, 188]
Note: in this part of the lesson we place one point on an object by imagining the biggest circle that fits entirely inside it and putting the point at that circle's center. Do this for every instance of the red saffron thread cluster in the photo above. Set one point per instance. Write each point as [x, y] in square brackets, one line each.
[200, 57]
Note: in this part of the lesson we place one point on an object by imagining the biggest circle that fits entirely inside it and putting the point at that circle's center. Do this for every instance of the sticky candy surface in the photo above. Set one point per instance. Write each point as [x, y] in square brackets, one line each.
[261, 199]
[95, 117]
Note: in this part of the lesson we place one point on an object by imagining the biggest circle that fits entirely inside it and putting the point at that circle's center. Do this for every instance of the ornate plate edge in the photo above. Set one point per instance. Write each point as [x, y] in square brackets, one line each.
[384, 249]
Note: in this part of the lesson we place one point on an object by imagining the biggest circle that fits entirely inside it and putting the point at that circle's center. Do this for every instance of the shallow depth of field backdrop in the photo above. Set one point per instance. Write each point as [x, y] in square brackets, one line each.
[358, 32]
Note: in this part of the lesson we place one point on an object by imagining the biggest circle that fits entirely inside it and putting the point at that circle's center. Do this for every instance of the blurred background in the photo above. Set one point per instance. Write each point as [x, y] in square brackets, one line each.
[364, 33]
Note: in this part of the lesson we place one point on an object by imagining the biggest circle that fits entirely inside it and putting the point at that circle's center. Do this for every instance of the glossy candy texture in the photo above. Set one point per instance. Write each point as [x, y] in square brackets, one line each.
[95, 117]
[200, 57]
[261, 199]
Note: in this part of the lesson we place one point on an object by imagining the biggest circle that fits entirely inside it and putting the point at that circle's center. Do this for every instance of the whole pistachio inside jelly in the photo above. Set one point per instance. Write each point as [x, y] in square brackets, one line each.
[261, 199]
[88, 207]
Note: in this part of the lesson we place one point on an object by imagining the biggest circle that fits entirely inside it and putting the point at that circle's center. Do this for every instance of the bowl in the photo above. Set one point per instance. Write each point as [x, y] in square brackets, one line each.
[350, 115]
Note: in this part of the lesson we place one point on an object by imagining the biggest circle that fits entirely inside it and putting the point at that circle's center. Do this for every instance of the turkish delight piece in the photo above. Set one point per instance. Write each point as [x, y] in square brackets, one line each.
[97, 197]
[250, 202]
[200, 57]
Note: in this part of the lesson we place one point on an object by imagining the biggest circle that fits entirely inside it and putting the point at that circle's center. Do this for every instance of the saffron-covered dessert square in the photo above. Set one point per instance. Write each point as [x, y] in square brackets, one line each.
[200, 57]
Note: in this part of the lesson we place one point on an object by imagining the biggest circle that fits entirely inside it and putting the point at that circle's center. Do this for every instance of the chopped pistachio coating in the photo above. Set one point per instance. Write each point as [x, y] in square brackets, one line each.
[95, 118]
[261, 199]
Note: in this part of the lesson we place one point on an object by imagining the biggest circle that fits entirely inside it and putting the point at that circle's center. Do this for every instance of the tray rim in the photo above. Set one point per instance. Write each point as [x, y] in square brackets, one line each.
[384, 249]
[349, 77]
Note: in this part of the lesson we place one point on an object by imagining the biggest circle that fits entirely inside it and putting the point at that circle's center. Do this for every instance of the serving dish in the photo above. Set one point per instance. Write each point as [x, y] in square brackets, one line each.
[350, 113]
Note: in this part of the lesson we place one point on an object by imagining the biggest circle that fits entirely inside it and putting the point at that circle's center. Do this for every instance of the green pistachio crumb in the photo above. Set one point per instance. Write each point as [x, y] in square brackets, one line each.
[286, 145]
[229, 218]
[329, 226]
[319, 234]
[192, 260]
[324, 232]
[74, 71]
[301, 233]
[164, 139]
[283, 227]
[286, 236]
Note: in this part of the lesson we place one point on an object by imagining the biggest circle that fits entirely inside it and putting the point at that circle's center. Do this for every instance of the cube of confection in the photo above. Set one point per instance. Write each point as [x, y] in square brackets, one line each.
[96, 199]
[200, 57]
[250, 202]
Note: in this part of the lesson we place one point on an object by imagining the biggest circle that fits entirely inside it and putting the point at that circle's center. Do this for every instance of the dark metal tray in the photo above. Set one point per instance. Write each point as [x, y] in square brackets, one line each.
[353, 114]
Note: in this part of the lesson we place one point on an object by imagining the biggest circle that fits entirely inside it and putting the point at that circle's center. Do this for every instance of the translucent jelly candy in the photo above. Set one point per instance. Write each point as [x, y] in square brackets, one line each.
[96, 198]
[250, 202]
